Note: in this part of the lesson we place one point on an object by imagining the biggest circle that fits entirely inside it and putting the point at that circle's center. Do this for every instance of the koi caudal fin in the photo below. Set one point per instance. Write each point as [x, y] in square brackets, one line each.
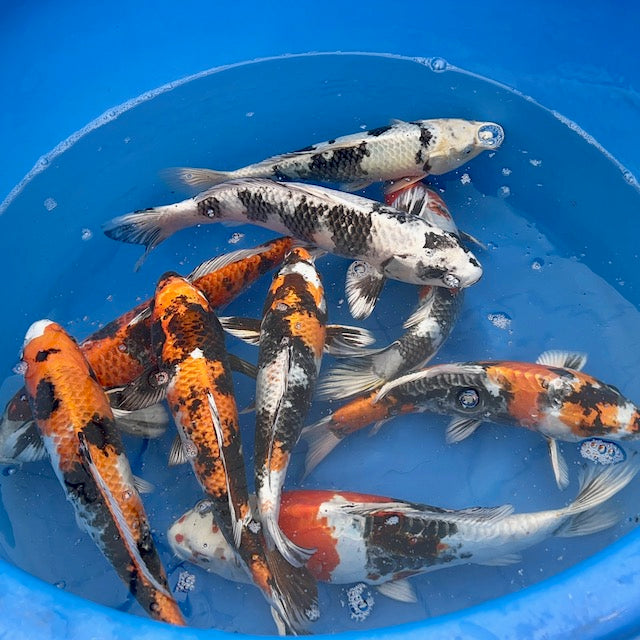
[150, 227]
[196, 179]
[294, 602]
[587, 514]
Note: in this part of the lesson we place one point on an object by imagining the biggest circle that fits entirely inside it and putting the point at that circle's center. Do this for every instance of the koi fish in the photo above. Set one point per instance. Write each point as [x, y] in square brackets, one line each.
[383, 541]
[120, 352]
[190, 346]
[398, 245]
[399, 150]
[364, 284]
[427, 328]
[550, 396]
[86, 452]
[292, 337]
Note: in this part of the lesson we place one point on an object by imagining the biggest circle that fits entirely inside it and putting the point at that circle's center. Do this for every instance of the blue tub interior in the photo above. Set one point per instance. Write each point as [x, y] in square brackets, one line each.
[559, 274]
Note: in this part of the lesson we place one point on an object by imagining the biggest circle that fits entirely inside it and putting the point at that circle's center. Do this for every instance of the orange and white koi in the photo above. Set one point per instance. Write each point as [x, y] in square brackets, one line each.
[383, 541]
[192, 359]
[550, 396]
[79, 433]
[120, 352]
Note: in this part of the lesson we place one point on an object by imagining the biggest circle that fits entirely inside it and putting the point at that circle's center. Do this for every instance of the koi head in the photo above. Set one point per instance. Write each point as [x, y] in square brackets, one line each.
[453, 141]
[436, 258]
[196, 537]
[590, 407]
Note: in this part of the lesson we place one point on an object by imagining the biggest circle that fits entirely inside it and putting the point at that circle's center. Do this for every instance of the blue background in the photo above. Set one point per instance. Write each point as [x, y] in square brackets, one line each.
[64, 63]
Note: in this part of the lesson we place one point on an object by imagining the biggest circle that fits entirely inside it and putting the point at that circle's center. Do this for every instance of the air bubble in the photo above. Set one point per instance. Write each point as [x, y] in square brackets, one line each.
[127, 140]
[20, 368]
[535, 163]
[250, 114]
[438, 64]
[630, 178]
[504, 191]
[87, 234]
[360, 602]
[537, 264]
[491, 135]
[506, 171]
[500, 320]
[235, 238]
[186, 581]
[465, 178]
[9, 471]
[50, 204]
[61, 584]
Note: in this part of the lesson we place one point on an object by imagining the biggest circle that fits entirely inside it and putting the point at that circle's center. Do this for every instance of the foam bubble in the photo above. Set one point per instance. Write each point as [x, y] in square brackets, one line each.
[500, 320]
[438, 64]
[465, 178]
[50, 204]
[504, 191]
[87, 234]
[235, 238]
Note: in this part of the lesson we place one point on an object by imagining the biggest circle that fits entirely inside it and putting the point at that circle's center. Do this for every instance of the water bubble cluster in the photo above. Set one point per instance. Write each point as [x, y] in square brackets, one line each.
[20, 368]
[602, 451]
[465, 178]
[504, 191]
[87, 234]
[186, 581]
[360, 601]
[537, 264]
[235, 238]
[500, 320]
[50, 204]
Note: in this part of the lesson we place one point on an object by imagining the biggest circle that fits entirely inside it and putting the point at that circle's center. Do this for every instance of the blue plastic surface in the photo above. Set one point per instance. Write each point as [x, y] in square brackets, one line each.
[571, 604]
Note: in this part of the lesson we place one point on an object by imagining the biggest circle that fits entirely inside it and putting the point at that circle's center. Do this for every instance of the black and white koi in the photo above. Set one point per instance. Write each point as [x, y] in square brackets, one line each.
[398, 245]
[400, 150]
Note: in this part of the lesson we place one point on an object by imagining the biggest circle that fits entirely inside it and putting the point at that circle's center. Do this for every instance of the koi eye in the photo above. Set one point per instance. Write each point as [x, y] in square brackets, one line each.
[204, 506]
[468, 398]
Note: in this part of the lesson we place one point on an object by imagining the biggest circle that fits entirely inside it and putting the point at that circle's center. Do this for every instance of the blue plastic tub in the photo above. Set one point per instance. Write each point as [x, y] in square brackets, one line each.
[64, 65]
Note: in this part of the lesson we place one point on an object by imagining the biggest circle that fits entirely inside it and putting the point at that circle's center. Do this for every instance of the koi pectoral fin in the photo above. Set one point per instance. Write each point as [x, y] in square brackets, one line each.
[399, 590]
[558, 464]
[363, 286]
[345, 341]
[242, 366]
[146, 390]
[461, 428]
[246, 329]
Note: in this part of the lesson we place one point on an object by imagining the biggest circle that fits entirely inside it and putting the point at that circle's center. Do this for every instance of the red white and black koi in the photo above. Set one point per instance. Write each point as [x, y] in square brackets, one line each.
[393, 152]
[84, 445]
[382, 541]
[427, 328]
[550, 396]
[400, 246]
[191, 353]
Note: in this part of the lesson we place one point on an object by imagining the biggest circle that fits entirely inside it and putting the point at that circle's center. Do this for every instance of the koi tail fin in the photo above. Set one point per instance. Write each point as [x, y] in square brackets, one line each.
[349, 379]
[596, 487]
[321, 441]
[194, 179]
[294, 595]
[150, 227]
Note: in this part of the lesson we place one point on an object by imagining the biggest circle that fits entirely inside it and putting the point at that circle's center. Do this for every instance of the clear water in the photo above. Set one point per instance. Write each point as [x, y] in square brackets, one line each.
[560, 273]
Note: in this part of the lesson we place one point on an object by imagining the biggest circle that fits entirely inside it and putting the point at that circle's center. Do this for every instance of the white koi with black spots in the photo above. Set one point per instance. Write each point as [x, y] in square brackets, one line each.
[399, 245]
[399, 150]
